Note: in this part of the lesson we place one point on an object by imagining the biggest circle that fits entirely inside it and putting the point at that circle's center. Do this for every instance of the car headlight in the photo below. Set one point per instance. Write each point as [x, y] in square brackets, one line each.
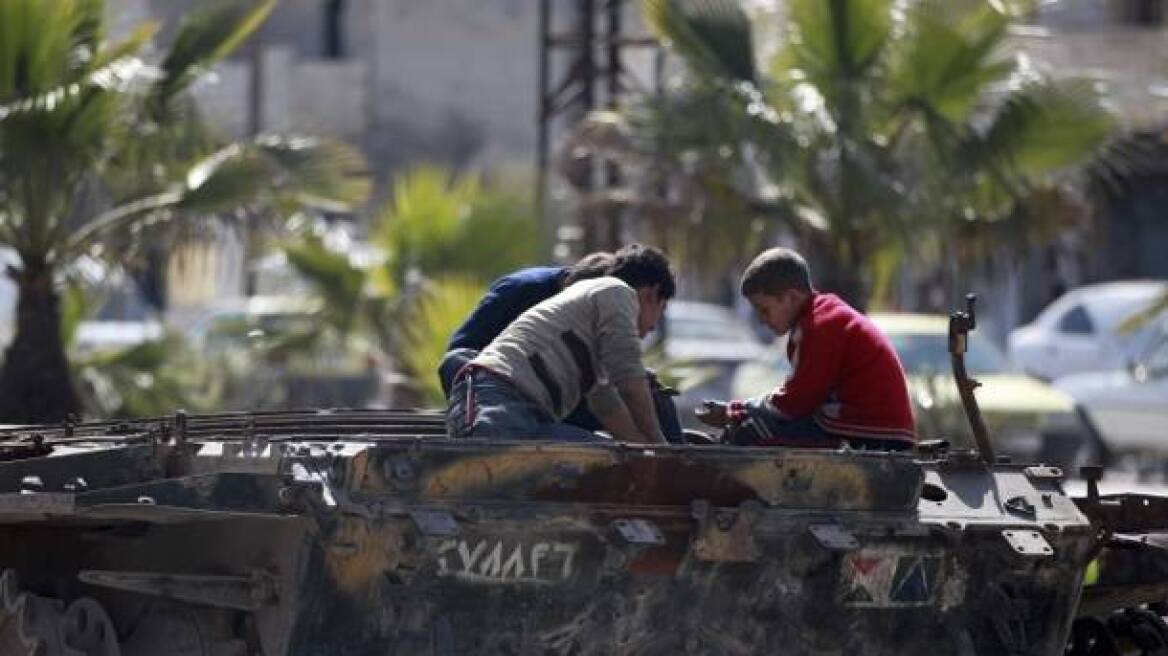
[924, 399]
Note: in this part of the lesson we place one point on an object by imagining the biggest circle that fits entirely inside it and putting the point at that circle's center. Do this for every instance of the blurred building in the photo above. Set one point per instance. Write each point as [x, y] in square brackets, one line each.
[1123, 45]
[448, 80]
[454, 82]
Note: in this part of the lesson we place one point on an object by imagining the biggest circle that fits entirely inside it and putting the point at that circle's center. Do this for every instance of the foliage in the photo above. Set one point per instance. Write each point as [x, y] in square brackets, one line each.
[439, 222]
[442, 237]
[150, 379]
[1141, 317]
[432, 318]
[878, 125]
[97, 146]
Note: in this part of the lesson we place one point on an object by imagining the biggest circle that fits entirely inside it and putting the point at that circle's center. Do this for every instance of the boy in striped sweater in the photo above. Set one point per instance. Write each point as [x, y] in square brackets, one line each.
[847, 384]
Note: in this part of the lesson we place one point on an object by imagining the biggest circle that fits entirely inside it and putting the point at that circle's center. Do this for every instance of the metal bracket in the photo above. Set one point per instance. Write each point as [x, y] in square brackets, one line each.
[434, 522]
[1019, 505]
[725, 536]
[639, 531]
[1028, 543]
[236, 592]
[1041, 472]
[834, 537]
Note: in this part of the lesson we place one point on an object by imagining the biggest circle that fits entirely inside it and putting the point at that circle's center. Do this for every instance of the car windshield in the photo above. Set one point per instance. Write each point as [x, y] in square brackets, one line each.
[928, 353]
[707, 328]
[1114, 309]
[1155, 356]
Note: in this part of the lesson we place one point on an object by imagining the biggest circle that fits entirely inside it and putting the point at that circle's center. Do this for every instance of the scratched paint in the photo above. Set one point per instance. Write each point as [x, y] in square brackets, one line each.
[489, 472]
[872, 578]
[496, 560]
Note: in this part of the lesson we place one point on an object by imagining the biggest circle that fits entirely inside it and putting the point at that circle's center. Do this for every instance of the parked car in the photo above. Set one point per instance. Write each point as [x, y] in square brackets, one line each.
[704, 344]
[119, 319]
[1026, 417]
[122, 320]
[1079, 332]
[1129, 406]
[283, 358]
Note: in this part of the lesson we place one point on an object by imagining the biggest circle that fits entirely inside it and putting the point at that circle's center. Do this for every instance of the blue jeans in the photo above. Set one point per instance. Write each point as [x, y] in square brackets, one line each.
[451, 364]
[582, 416]
[764, 428]
[484, 404]
[768, 429]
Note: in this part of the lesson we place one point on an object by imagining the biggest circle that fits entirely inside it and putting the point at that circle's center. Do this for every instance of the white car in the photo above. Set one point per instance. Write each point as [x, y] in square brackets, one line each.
[706, 332]
[1129, 406]
[704, 345]
[1079, 331]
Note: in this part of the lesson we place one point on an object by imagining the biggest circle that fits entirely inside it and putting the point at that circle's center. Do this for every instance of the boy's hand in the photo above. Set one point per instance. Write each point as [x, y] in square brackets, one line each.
[712, 413]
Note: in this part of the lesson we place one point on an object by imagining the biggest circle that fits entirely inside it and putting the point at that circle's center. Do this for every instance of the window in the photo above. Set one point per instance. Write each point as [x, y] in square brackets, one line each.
[928, 354]
[335, 46]
[1156, 361]
[1144, 12]
[1076, 322]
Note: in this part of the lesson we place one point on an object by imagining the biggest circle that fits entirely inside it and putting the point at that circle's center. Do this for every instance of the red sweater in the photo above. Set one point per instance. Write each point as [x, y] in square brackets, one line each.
[846, 375]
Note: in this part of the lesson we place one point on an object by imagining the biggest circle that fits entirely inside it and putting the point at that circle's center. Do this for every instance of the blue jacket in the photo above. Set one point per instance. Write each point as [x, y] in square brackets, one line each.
[507, 298]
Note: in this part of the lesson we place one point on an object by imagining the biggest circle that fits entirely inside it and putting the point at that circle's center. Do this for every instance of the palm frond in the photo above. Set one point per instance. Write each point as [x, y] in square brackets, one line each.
[274, 171]
[205, 37]
[232, 177]
[77, 303]
[1044, 127]
[1125, 159]
[836, 41]
[440, 223]
[322, 172]
[499, 233]
[951, 50]
[1141, 317]
[713, 36]
[338, 283]
[421, 219]
[139, 36]
[39, 46]
[443, 306]
[150, 379]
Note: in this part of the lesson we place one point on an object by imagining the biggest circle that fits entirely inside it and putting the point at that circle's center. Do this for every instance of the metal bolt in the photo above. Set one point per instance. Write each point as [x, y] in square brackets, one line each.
[180, 427]
[31, 485]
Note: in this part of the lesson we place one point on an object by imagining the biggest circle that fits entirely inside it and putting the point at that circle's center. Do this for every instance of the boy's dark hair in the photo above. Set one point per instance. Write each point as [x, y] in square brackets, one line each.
[644, 266]
[774, 271]
[592, 265]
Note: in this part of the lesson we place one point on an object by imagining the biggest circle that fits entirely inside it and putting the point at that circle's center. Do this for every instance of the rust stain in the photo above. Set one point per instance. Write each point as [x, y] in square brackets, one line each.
[360, 553]
[660, 561]
[734, 544]
[799, 482]
[487, 471]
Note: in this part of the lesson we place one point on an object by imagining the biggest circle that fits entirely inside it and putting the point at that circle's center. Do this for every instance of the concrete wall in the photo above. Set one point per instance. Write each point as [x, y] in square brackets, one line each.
[1131, 63]
[453, 81]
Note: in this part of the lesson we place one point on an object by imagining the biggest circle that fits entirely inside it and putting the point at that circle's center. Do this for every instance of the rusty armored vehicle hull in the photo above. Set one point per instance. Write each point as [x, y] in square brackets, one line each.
[367, 532]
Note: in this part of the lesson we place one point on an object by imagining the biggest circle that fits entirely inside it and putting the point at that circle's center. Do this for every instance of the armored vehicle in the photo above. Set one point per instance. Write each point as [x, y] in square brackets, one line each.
[369, 532]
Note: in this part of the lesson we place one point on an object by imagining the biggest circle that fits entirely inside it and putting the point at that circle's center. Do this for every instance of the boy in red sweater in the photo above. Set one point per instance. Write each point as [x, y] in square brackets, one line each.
[847, 385]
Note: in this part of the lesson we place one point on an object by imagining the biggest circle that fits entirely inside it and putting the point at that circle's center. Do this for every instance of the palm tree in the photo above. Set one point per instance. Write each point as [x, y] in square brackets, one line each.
[97, 146]
[442, 237]
[879, 125]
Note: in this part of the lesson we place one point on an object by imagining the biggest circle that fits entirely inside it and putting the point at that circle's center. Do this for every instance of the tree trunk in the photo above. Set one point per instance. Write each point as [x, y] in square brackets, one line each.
[848, 285]
[841, 270]
[35, 385]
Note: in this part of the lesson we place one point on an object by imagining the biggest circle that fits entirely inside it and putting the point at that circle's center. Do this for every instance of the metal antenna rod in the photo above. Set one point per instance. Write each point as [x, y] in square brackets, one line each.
[960, 323]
